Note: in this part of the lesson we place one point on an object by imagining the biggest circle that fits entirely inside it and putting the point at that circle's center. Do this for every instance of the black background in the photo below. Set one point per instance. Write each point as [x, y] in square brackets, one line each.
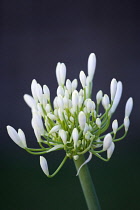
[35, 35]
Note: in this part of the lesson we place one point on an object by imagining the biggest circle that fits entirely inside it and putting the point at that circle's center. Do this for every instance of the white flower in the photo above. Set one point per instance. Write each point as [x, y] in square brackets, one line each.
[75, 123]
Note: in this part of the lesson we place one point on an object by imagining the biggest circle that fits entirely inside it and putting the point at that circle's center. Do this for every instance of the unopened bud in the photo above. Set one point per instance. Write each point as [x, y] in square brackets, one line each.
[115, 126]
[128, 107]
[107, 141]
[110, 150]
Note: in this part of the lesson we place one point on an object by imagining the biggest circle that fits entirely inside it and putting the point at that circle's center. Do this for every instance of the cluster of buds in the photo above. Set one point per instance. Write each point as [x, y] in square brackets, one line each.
[73, 122]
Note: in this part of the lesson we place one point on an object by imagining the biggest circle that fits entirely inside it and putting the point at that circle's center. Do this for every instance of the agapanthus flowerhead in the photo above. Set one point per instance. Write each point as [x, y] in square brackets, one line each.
[73, 121]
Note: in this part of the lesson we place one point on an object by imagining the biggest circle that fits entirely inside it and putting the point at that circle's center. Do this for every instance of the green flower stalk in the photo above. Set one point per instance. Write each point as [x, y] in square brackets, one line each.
[74, 122]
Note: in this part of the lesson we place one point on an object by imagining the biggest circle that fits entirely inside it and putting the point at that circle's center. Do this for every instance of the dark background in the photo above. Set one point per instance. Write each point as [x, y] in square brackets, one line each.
[35, 35]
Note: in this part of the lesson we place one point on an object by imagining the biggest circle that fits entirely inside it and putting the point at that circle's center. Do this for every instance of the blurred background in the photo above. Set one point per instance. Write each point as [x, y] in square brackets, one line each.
[35, 35]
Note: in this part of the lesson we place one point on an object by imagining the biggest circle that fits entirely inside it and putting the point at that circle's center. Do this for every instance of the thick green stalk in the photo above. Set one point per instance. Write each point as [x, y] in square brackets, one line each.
[87, 184]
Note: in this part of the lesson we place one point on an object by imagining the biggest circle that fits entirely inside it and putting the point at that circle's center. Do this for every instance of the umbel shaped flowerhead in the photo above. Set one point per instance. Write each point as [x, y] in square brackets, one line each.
[73, 122]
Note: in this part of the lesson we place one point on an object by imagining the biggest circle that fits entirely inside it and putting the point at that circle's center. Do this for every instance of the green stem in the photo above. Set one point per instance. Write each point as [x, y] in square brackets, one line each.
[87, 184]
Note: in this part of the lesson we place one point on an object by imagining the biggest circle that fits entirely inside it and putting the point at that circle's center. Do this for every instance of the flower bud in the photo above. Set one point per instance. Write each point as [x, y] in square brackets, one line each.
[75, 136]
[60, 114]
[128, 107]
[39, 92]
[36, 132]
[126, 123]
[110, 150]
[51, 116]
[89, 105]
[80, 101]
[55, 105]
[82, 120]
[81, 92]
[98, 122]
[60, 91]
[55, 129]
[86, 128]
[37, 122]
[63, 136]
[75, 98]
[105, 101]
[87, 135]
[82, 77]
[115, 126]
[62, 73]
[117, 97]
[58, 73]
[60, 102]
[22, 137]
[99, 96]
[48, 108]
[91, 65]
[76, 157]
[113, 88]
[74, 84]
[70, 104]
[69, 86]
[66, 93]
[30, 101]
[66, 102]
[44, 165]
[107, 141]
[46, 92]
[33, 89]
[40, 110]
[88, 80]
[19, 139]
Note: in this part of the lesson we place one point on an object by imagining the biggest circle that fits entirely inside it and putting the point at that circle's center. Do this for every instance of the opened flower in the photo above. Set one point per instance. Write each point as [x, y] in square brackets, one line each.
[74, 121]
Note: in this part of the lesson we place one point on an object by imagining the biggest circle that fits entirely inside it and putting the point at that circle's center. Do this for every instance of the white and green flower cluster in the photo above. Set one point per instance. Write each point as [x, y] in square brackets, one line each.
[73, 122]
